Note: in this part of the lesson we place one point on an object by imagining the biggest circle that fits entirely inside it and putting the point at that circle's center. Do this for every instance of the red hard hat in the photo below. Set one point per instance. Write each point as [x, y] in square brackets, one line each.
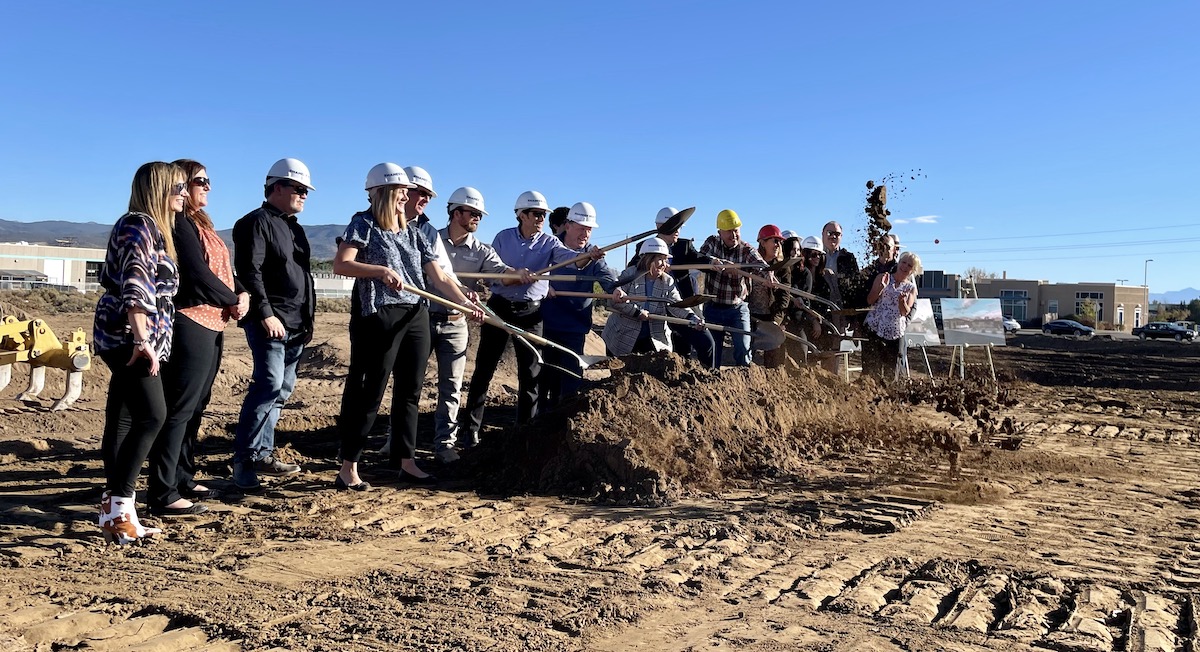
[770, 231]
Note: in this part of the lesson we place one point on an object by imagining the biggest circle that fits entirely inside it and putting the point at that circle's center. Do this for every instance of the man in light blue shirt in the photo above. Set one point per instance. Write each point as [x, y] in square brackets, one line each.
[523, 247]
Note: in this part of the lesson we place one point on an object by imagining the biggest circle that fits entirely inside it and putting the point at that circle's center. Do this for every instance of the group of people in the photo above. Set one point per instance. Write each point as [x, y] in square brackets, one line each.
[171, 286]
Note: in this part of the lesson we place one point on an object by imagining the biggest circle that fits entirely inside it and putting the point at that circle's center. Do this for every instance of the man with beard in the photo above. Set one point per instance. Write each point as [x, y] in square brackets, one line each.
[449, 327]
[568, 319]
[730, 308]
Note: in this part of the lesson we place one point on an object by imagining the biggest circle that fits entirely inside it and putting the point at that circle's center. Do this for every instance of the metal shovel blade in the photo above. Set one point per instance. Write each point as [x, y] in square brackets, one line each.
[767, 336]
[675, 222]
[693, 301]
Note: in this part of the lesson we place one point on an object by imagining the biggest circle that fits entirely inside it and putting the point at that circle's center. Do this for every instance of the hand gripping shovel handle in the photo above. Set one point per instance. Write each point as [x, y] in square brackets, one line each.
[775, 285]
[499, 276]
[585, 361]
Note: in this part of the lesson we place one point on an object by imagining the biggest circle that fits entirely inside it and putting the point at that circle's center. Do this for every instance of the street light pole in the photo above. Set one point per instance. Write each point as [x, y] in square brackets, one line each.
[1146, 273]
[1122, 281]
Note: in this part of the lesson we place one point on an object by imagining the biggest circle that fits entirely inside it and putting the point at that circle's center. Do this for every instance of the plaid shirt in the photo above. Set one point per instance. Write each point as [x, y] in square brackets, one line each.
[730, 288]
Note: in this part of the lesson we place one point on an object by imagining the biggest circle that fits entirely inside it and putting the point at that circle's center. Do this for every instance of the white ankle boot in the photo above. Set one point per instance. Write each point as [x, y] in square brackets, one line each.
[119, 520]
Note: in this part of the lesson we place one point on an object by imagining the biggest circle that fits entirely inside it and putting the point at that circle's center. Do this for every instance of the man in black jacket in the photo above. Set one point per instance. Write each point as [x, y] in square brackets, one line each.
[271, 258]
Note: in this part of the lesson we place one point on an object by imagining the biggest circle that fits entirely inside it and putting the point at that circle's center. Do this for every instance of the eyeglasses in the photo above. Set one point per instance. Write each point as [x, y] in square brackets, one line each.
[472, 214]
[298, 189]
[535, 214]
[178, 188]
[201, 181]
[423, 193]
[837, 233]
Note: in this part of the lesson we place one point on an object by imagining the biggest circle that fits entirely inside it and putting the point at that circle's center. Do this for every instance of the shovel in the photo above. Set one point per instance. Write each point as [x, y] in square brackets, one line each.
[673, 224]
[776, 285]
[767, 337]
[690, 302]
[585, 361]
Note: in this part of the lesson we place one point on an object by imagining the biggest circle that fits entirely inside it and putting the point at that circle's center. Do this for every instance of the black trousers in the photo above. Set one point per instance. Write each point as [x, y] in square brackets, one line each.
[392, 342]
[134, 414]
[187, 385]
[492, 341]
[879, 356]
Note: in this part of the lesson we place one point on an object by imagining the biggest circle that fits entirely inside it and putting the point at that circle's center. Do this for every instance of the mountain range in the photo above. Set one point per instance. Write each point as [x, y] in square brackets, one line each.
[95, 235]
[1176, 296]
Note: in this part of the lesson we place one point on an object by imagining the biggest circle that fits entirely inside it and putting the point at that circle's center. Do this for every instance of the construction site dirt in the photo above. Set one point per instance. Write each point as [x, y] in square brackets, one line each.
[666, 508]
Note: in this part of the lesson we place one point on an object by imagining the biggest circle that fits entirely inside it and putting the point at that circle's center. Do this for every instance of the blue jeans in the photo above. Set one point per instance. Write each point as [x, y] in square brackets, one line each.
[735, 317]
[271, 383]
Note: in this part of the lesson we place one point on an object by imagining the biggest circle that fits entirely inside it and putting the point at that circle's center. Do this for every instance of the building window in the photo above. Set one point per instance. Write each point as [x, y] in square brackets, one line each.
[93, 271]
[932, 280]
[1013, 302]
[1137, 317]
[1095, 297]
[1121, 315]
[1052, 308]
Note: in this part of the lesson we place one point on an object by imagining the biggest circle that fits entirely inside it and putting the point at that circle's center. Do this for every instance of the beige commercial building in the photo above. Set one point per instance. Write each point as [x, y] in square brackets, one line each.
[1119, 307]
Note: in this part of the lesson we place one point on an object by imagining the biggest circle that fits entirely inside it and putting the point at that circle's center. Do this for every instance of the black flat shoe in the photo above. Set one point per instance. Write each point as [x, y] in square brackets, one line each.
[405, 476]
[168, 512]
[208, 494]
[341, 485]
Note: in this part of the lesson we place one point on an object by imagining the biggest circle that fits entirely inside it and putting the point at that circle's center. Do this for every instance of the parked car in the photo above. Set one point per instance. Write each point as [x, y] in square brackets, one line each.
[1011, 325]
[1159, 329]
[1067, 327]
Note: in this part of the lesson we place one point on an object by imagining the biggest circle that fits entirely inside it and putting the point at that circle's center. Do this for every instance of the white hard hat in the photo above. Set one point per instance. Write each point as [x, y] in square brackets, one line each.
[789, 234]
[812, 242]
[420, 178]
[531, 199]
[584, 214]
[387, 174]
[664, 215]
[290, 168]
[466, 196]
[654, 246]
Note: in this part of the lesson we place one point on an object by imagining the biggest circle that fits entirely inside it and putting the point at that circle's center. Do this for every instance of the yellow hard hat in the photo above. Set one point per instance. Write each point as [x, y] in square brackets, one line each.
[728, 219]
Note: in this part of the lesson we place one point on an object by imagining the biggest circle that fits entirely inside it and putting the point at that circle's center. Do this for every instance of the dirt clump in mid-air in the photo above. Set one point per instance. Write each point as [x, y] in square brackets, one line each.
[661, 428]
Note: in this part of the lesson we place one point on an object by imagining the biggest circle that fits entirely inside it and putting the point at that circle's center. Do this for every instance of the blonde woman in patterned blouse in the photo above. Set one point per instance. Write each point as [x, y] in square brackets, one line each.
[893, 297]
[208, 296]
[132, 334]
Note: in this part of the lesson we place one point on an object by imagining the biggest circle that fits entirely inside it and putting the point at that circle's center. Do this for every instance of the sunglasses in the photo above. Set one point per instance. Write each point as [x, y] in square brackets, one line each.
[535, 214]
[472, 214]
[837, 233]
[201, 181]
[298, 189]
[178, 188]
[423, 193]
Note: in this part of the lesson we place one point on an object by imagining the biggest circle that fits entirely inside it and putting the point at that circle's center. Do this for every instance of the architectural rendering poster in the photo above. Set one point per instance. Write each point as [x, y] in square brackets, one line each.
[973, 321]
[922, 329]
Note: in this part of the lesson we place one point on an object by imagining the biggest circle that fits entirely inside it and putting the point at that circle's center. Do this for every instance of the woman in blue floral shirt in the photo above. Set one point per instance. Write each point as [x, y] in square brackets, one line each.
[132, 334]
[384, 251]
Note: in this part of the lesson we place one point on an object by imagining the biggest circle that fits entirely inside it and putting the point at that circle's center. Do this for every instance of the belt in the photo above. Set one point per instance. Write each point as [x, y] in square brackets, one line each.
[445, 316]
[519, 306]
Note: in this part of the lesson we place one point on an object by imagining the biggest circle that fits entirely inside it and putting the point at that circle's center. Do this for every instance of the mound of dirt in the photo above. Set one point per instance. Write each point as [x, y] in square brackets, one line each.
[661, 428]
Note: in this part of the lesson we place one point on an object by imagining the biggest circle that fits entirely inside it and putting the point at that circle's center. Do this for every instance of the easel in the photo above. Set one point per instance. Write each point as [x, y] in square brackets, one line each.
[959, 352]
[902, 366]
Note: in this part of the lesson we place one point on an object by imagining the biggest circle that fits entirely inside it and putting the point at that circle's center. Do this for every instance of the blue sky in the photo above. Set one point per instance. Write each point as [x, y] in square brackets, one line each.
[1052, 140]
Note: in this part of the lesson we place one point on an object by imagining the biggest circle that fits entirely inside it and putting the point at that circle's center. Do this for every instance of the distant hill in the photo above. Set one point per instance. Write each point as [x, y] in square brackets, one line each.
[320, 237]
[1177, 296]
[92, 234]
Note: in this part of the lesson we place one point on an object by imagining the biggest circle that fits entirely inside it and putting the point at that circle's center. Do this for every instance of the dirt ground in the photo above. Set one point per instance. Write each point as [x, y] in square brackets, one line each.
[668, 508]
